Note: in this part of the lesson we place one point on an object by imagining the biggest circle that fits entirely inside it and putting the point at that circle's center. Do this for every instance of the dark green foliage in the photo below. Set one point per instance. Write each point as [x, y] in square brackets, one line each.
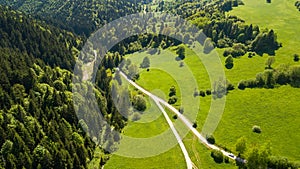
[265, 42]
[208, 92]
[181, 110]
[297, 4]
[208, 46]
[139, 103]
[172, 100]
[240, 145]
[136, 117]
[210, 139]
[271, 77]
[296, 57]
[36, 106]
[145, 63]
[81, 17]
[226, 159]
[295, 76]
[229, 62]
[202, 93]
[36, 40]
[217, 155]
[270, 61]
[172, 91]
[256, 129]
[181, 52]
[221, 88]
[282, 162]
[258, 157]
[195, 125]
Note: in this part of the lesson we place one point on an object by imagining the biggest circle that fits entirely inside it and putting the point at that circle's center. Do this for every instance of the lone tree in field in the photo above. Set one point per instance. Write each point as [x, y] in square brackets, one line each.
[145, 63]
[181, 52]
[296, 57]
[229, 62]
[172, 91]
[256, 129]
[139, 103]
[217, 155]
[270, 61]
[208, 46]
[240, 145]
[210, 139]
[133, 71]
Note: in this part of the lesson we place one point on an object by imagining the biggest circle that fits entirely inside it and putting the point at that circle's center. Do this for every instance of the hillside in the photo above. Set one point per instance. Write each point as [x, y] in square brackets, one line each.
[82, 17]
[38, 124]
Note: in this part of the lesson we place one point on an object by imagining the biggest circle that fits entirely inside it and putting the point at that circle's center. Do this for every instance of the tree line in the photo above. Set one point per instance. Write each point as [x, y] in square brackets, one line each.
[38, 124]
[80, 17]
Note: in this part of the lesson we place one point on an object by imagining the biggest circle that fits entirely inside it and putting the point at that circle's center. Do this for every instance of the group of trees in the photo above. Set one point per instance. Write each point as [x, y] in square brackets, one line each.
[270, 78]
[260, 156]
[172, 95]
[80, 17]
[37, 40]
[231, 32]
[297, 4]
[255, 156]
[39, 127]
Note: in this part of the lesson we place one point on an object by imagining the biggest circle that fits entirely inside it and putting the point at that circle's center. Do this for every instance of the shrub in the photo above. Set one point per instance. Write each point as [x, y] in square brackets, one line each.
[181, 64]
[210, 139]
[181, 110]
[242, 85]
[145, 63]
[256, 129]
[172, 91]
[250, 55]
[229, 86]
[296, 57]
[229, 62]
[196, 93]
[208, 92]
[251, 83]
[175, 117]
[202, 93]
[195, 125]
[227, 52]
[226, 159]
[295, 76]
[217, 155]
[136, 117]
[172, 100]
[139, 103]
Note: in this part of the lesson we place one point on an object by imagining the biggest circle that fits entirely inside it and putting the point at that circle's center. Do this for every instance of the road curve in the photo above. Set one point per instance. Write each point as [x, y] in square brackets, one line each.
[182, 118]
[188, 160]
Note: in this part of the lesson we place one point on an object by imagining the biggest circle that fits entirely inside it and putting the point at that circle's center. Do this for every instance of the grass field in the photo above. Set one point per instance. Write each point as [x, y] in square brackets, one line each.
[276, 111]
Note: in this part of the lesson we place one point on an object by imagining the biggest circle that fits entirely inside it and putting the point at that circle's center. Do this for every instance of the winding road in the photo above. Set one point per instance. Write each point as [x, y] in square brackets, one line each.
[203, 140]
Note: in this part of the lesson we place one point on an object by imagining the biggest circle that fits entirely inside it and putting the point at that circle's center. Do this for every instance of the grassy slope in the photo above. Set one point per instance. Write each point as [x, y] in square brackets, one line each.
[276, 110]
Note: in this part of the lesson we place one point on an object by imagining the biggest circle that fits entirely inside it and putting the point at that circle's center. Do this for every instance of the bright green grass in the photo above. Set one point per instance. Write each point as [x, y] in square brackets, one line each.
[170, 159]
[281, 16]
[276, 111]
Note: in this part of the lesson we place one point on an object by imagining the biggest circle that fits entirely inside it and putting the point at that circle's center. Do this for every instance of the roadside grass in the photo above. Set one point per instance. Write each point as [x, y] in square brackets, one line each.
[170, 159]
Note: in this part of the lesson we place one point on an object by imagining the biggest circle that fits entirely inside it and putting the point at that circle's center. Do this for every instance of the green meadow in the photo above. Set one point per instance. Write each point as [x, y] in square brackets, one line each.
[276, 110]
